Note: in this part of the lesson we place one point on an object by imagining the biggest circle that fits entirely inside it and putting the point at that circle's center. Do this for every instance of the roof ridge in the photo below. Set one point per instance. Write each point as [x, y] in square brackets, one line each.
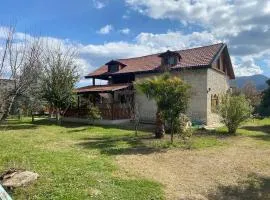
[202, 46]
[175, 51]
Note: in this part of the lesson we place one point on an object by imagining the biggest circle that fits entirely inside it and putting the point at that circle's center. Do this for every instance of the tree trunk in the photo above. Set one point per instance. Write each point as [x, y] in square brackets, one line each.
[159, 133]
[7, 109]
[172, 131]
[33, 117]
[232, 130]
[58, 116]
[136, 129]
[19, 114]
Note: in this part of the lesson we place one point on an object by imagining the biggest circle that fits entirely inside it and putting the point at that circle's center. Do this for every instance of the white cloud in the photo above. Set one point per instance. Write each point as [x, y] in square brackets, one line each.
[92, 56]
[98, 4]
[83, 66]
[243, 24]
[125, 16]
[106, 29]
[247, 67]
[125, 31]
[175, 40]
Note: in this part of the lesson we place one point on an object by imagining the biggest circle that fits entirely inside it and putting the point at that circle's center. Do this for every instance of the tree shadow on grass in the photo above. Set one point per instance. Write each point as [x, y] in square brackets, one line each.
[48, 122]
[124, 145]
[255, 188]
[16, 125]
[263, 129]
[220, 134]
[126, 126]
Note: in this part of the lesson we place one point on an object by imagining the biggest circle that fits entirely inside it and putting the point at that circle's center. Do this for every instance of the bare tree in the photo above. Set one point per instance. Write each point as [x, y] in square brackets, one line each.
[20, 65]
[251, 93]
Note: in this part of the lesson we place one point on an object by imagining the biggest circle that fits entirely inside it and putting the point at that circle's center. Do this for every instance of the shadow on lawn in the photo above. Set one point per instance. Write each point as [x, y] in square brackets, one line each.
[264, 129]
[128, 126]
[255, 188]
[17, 127]
[13, 124]
[120, 145]
[216, 133]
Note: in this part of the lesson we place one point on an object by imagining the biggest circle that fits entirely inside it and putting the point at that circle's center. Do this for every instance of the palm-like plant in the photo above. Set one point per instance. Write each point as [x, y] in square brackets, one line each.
[171, 95]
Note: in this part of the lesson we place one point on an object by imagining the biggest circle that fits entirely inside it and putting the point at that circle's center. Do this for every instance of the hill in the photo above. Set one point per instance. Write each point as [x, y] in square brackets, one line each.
[259, 80]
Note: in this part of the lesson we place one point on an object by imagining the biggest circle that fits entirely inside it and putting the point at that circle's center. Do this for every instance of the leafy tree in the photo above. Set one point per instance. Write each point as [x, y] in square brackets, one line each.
[171, 95]
[234, 110]
[59, 78]
[264, 109]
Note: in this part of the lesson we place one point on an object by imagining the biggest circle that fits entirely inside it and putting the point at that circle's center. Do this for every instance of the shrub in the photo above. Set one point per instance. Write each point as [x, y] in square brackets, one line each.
[234, 110]
[182, 127]
[93, 112]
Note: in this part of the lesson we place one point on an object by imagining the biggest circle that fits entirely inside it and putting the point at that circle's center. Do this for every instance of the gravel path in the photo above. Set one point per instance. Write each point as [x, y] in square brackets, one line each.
[192, 174]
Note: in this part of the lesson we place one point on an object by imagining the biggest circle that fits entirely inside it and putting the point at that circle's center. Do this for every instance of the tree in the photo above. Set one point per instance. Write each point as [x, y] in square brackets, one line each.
[171, 95]
[59, 78]
[252, 94]
[20, 64]
[234, 110]
[264, 108]
[32, 102]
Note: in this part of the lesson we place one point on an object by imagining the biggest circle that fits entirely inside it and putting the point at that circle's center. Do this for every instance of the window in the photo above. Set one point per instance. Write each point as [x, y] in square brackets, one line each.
[224, 64]
[214, 103]
[113, 68]
[218, 64]
[172, 60]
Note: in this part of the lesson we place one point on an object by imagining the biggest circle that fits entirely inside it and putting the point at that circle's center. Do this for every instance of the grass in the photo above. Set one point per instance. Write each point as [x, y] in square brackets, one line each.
[68, 169]
[78, 162]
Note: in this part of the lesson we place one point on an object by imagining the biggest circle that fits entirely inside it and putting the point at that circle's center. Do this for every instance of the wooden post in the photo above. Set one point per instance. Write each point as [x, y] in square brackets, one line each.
[112, 106]
[78, 106]
[94, 81]
[78, 101]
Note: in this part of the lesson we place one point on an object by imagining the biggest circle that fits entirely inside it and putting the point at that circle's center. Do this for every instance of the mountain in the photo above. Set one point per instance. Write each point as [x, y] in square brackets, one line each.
[259, 80]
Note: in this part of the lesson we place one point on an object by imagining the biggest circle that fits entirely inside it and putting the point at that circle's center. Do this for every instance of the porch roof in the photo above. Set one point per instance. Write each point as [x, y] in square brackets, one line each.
[102, 88]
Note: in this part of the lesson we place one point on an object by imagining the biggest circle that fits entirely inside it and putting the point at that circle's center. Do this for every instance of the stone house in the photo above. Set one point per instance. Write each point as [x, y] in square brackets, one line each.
[206, 69]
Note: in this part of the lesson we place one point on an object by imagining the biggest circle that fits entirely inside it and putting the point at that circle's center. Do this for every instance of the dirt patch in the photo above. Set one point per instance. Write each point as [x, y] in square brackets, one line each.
[186, 173]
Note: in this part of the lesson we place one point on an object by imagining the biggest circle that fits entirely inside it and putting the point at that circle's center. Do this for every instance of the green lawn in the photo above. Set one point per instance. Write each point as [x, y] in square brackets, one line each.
[68, 165]
[78, 162]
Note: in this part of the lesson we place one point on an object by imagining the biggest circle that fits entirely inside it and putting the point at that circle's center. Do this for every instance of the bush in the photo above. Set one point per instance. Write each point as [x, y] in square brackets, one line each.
[182, 127]
[93, 112]
[234, 110]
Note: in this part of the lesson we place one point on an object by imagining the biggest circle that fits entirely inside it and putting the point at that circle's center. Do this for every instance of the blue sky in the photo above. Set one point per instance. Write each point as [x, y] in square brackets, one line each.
[106, 29]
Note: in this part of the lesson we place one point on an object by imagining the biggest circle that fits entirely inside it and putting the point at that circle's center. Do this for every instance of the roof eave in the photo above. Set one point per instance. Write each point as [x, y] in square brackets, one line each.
[224, 47]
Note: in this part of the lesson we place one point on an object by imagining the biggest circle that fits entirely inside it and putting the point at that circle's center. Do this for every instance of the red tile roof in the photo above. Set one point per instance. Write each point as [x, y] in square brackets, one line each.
[196, 57]
[102, 88]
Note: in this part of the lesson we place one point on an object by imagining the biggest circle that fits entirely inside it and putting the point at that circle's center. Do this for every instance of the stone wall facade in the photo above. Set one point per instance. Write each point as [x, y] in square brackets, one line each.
[203, 82]
[218, 84]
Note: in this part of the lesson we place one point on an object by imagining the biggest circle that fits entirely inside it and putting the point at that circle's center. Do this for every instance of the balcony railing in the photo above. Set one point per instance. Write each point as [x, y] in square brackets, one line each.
[108, 111]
